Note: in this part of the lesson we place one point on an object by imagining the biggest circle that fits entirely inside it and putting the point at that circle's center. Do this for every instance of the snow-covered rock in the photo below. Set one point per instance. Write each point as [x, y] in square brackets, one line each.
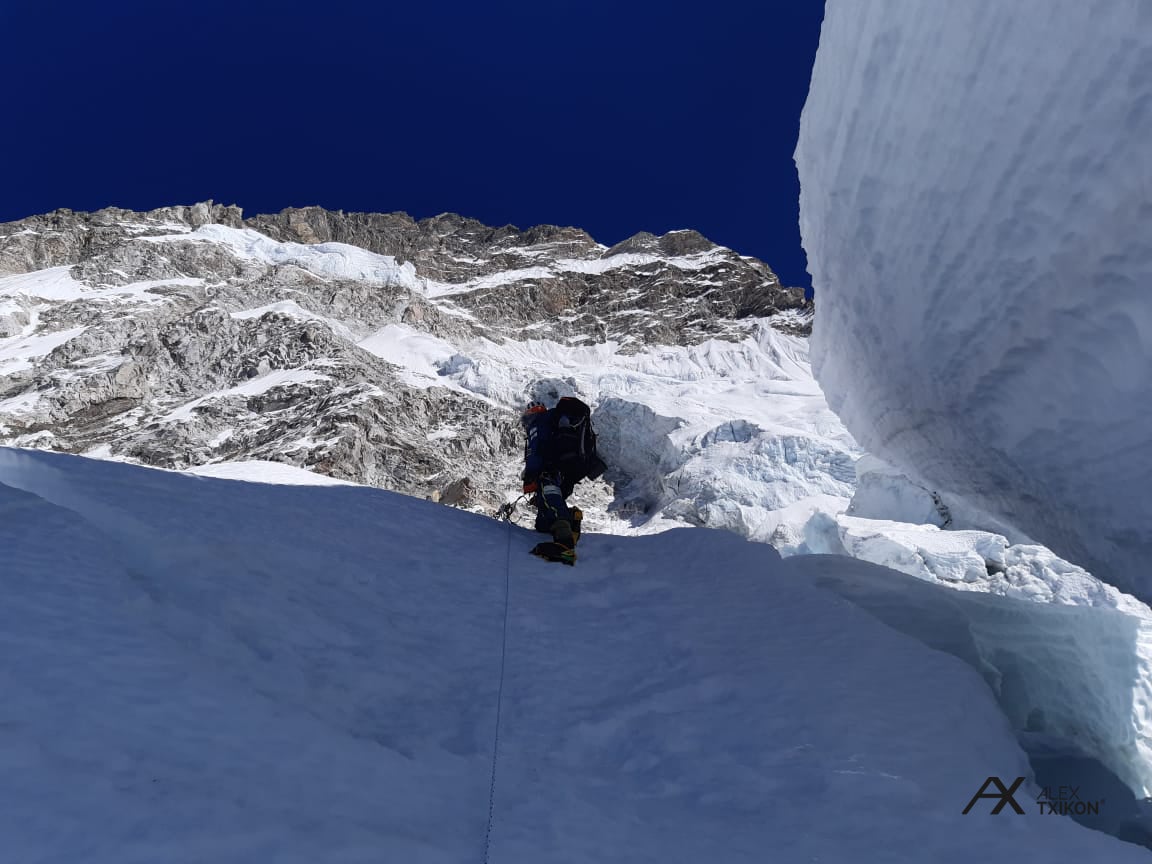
[975, 211]
[380, 350]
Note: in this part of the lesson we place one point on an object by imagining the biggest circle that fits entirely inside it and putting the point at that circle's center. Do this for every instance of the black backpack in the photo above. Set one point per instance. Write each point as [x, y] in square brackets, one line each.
[572, 441]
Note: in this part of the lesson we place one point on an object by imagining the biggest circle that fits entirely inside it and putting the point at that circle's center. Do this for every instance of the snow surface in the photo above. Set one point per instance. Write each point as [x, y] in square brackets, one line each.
[200, 670]
[885, 492]
[1076, 673]
[53, 283]
[975, 208]
[263, 471]
[1068, 655]
[28, 294]
[420, 355]
[56, 284]
[727, 434]
[588, 266]
[294, 310]
[328, 260]
[1098, 700]
[737, 435]
[18, 352]
[734, 435]
[252, 387]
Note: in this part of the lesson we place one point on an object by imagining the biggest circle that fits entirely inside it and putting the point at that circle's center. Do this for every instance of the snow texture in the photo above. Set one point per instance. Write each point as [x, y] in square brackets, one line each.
[206, 670]
[885, 492]
[620, 260]
[1072, 672]
[1069, 656]
[732, 435]
[262, 471]
[1076, 672]
[56, 284]
[975, 208]
[744, 436]
[252, 387]
[328, 260]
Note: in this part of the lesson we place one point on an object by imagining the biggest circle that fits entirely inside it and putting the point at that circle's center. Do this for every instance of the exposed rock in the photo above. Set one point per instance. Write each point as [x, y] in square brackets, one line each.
[458, 493]
[173, 344]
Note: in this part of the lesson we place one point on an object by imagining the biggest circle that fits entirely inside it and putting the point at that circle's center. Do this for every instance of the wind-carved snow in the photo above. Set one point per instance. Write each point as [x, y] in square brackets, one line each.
[205, 670]
[975, 211]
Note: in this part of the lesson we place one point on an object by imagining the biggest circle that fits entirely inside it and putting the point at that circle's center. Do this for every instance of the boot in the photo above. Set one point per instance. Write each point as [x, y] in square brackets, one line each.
[563, 546]
[577, 518]
[554, 551]
[562, 532]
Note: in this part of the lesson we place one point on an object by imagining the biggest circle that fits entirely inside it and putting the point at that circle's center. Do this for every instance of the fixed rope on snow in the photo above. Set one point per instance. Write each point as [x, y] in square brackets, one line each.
[500, 688]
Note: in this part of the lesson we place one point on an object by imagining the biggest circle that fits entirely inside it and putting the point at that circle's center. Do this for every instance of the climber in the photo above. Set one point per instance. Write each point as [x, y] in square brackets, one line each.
[559, 452]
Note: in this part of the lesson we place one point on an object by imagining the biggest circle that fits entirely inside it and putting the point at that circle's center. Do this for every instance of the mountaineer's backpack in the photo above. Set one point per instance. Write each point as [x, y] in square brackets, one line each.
[561, 439]
[571, 446]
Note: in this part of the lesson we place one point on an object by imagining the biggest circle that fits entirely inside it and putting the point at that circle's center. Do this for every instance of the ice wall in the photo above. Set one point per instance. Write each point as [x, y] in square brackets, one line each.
[977, 210]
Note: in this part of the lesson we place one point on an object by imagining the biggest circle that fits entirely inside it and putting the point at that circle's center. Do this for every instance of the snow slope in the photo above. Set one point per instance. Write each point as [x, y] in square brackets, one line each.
[975, 211]
[200, 669]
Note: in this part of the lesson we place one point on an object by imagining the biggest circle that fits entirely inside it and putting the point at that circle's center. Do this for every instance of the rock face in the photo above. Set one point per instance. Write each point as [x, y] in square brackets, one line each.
[189, 335]
[560, 279]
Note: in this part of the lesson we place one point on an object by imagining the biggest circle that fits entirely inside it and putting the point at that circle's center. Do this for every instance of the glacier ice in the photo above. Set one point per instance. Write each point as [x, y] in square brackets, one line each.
[1079, 672]
[1069, 656]
[885, 492]
[733, 435]
[975, 208]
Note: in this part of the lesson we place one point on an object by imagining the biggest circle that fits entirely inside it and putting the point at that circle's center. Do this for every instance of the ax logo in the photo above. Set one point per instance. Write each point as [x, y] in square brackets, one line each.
[1003, 797]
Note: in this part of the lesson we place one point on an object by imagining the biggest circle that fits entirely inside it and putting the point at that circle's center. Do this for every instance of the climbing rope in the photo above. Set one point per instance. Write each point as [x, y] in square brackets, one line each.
[499, 696]
[507, 510]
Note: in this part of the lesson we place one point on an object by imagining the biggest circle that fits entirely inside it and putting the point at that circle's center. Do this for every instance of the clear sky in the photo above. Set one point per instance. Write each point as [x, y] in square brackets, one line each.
[616, 117]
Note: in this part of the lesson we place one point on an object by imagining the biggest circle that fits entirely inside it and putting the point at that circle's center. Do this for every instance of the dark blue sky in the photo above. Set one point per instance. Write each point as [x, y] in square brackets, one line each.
[615, 117]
